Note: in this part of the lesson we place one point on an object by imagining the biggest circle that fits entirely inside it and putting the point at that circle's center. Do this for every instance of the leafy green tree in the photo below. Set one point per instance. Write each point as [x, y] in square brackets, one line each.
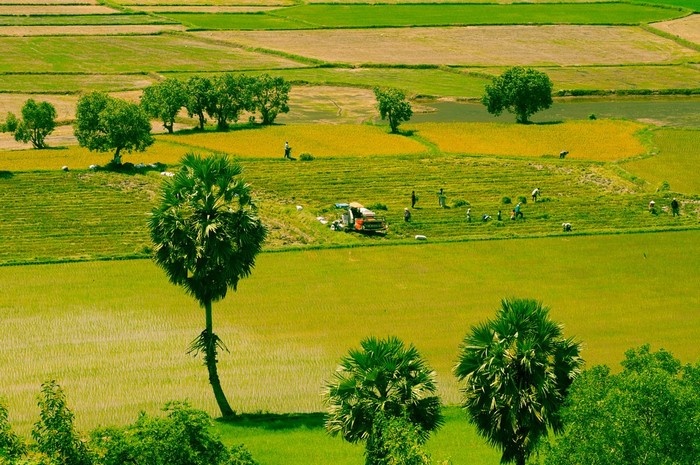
[647, 414]
[38, 121]
[392, 105]
[382, 378]
[199, 92]
[522, 91]
[232, 94]
[517, 370]
[270, 96]
[54, 433]
[105, 123]
[207, 235]
[164, 100]
[11, 446]
[397, 442]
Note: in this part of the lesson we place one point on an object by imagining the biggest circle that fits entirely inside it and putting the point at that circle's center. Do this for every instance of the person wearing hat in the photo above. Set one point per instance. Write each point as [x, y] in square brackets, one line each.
[406, 215]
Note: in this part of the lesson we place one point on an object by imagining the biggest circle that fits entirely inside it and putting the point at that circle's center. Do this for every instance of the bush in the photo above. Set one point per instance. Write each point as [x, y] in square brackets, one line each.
[460, 203]
[11, 446]
[665, 186]
[378, 206]
[306, 157]
[506, 201]
[522, 199]
[592, 116]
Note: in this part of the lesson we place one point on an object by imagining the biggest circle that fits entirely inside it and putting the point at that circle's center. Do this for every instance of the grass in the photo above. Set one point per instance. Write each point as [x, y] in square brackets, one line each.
[379, 15]
[72, 83]
[240, 21]
[127, 54]
[81, 20]
[675, 161]
[113, 334]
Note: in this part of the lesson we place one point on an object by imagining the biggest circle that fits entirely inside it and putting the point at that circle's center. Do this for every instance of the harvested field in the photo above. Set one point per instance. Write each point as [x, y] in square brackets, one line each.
[624, 77]
[600, 140]
[49, 2]
[138, 29]
[105, 54]
[330, 105]
[65, 104]
[208, 2]
[71, 83]
[687, 28]
[83, 20]
[17, 10]
[476, 46]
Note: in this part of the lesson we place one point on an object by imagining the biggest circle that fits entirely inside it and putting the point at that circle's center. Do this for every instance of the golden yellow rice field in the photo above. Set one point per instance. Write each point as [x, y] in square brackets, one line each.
[317, 140]
[600, 140]
[16, 10]
[117, 29]
[482, 46]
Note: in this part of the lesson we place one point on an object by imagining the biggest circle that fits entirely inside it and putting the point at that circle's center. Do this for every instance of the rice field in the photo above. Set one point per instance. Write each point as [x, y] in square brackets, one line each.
[81, 20]
[67, 84]
[471, 46]
[687, 28]
[32, 10]
[114, 333]
[598, 140]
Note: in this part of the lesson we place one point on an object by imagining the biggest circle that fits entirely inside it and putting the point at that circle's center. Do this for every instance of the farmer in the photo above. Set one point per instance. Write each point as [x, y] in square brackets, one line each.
[535, 193]
[287, 150]
[652, 207]
[675, 207]
[406, 215]
[499, 215]
[413, 199]
[441, 198]
[469, 215]
[518, 213]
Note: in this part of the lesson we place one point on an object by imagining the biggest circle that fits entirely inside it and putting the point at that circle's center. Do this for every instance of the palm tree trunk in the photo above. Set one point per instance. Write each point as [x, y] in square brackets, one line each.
[211, 361]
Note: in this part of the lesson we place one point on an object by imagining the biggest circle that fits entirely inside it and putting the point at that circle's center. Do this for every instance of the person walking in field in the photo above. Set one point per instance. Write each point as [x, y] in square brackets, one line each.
[413, 199]
[675, 207]
[287, 150]
[518, 212]
[535, 194]
[406, 215]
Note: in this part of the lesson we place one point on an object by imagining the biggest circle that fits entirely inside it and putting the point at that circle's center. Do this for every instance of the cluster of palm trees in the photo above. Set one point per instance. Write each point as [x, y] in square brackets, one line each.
[516, 369]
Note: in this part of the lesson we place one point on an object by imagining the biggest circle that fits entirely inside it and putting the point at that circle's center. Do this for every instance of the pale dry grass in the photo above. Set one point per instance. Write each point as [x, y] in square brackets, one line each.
[127, 29]
[600, 140]
[30, 10]
[687, 28]
[48, 2]
[624, 77]
[330, 105]
[64, 104]
[209, 2]
[555, 45]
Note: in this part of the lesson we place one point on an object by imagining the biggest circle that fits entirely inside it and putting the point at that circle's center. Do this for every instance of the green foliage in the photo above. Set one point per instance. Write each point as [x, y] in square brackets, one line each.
[522, 91]
[522, 199]
[378, 206]
[383, 376]
[183, 437]
[392, 105]
[54, 433]
[506, 201]
[396, 441]
[648, 413]
[306, 157]
[105, 123]
[665, 186]
[270, 96]
[458, 203]
[198, 95]
[164, 100]
[206, 236]
[38, 121]
[11, 446]
[10, 124]
[231, 94]
[517, 371]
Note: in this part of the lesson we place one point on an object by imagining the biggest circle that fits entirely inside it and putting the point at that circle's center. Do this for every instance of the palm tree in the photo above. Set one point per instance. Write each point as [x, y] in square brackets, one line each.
[206, 235]
[382, 380]
[517, 369]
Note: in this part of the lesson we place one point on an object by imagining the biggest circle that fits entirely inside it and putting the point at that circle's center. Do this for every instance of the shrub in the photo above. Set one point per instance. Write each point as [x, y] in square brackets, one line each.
[11, 446]
[592, 116]
[506, 201]
[378, 206]
[460, 203]
[665, 186]
[306, 157]
[522, 199]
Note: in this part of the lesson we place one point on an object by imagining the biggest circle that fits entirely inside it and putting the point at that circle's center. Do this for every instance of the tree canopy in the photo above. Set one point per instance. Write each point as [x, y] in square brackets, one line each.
[517, 369]
[231, 95]
[270, 97]
[392, 105]
[164, 100]
[522, 91]
[38, 121]
[647, 414]
[382, 376]
[105, 123]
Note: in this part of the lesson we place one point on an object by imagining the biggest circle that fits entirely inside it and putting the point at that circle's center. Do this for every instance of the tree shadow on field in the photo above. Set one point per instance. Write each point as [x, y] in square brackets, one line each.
[547, 123]
[6, 174]
[277, 421]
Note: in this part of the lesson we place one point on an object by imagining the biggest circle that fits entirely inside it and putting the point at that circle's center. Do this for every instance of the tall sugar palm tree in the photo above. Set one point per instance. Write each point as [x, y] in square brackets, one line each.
[206, 235]
[517, 370]
[384, 379]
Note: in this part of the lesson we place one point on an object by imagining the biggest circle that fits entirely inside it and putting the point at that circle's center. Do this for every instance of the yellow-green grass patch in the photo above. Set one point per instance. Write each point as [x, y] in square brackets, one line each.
[476, 46]
[600, 140]
[317, 140]
[208, 2]
[687, 28]
[662, 77]
[204, 8]
[32, 10]
[676, 161]
[128, 54]
[49, 2]
[114, 334]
